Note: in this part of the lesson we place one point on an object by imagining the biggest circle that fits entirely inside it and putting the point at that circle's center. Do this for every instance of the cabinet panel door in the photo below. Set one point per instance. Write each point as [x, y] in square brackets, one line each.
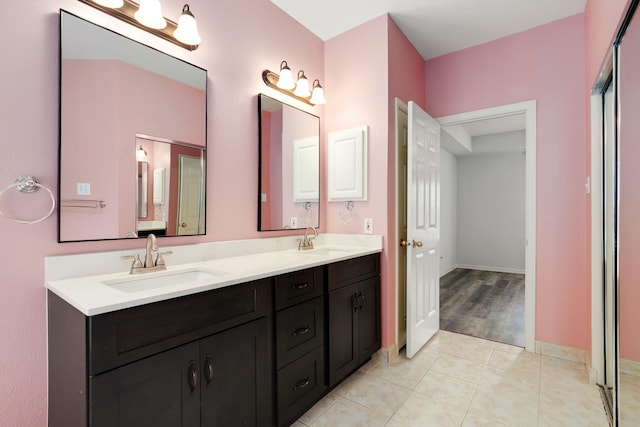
[343, 327]
[158, 391]
[369, 318]
[236, 377]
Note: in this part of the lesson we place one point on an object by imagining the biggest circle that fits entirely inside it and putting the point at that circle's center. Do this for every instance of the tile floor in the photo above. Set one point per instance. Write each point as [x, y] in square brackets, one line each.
[457, 380]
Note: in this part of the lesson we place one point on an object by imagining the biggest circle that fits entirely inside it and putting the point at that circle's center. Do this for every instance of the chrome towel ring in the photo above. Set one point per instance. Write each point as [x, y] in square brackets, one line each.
[28, 184]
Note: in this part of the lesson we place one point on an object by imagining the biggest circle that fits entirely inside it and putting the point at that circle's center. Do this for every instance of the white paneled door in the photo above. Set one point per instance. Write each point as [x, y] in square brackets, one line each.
[423, 231]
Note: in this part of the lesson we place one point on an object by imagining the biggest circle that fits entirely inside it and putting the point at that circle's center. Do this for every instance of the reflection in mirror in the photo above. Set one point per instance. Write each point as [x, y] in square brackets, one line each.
[114, 92]
[289, 166]
[629, 229]
[143, 168]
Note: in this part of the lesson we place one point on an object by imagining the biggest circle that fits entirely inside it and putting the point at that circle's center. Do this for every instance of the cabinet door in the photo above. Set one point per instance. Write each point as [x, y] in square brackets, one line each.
[343, 329]
[368, 318]
[162, 390]
[237, 377]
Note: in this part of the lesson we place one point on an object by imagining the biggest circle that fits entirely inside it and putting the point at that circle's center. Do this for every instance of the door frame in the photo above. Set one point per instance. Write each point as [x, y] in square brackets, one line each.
[529, 109]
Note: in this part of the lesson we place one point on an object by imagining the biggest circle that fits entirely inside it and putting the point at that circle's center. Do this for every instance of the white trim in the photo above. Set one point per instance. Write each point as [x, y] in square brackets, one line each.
[561, 352]
[448, 270]
[490, 268]
[597, 290]
[529, 109]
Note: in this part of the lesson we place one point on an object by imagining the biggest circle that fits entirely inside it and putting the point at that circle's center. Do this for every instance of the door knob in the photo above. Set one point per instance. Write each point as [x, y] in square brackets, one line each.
[417, 244]
[183, 225]
[404, 243]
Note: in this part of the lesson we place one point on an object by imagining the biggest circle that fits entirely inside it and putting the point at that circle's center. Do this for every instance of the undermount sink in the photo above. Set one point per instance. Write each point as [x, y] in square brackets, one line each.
[149, 281]
[326, 251]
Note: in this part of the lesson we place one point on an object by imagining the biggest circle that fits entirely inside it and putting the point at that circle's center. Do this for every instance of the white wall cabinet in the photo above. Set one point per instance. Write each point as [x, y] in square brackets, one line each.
[347, 164]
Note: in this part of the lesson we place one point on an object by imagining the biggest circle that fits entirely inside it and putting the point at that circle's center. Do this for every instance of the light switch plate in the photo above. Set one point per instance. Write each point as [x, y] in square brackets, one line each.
[368, 226]
[83, 189]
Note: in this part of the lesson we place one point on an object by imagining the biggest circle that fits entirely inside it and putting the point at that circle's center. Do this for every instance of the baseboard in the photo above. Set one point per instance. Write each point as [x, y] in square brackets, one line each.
[448, 270]
[630, 367]
[485, 268]
[561, 352]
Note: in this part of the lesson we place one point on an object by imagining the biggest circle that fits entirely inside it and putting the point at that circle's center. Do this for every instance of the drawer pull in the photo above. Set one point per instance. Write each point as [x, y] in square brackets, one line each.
[302, 384]
[208, 370]
[193, 376]
[301, 331]
[299, 286]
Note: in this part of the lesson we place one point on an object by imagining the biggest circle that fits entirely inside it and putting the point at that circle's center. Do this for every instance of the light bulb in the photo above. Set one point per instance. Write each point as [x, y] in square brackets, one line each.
[141, 155]
[285, 81]
[149, 14]
[302, 87]
[317, 96]
[187, 31]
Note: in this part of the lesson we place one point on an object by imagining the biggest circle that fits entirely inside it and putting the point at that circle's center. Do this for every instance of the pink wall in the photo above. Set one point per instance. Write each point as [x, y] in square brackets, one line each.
[368, 98]
[546, 64]
[234, 55]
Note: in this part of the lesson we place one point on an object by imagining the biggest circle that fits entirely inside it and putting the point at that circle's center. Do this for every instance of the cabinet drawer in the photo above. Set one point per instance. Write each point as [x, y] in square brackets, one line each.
[124, 336]
[299, 286]
[344, 273]
[299, 329]
[300, 384]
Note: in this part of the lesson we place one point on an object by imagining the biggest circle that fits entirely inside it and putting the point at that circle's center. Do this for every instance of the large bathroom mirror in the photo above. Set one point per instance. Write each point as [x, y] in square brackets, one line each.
[132, 138]
[289, 187]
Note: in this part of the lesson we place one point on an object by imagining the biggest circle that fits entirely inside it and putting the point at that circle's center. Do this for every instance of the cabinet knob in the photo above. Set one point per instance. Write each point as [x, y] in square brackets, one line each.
[302, 384]
[301, 331]
[193, 376]
[208, 369]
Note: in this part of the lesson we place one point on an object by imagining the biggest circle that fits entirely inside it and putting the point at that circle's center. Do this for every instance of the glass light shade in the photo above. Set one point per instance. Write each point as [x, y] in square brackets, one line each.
[141, 155]
[285, 80]
[302, 87]
[149, 14]
[114, 4]
[187, 31]
[317, 96]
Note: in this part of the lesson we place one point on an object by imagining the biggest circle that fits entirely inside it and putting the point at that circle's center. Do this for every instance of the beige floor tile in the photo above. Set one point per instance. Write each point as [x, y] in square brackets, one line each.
[319, 408]
[345, 413]
[378, 394]
[563, 371]
[458, 367]
[509, 361]
[369, 366]
[508, 405]
[629, 415]
[297, 424]
[507, 348]
[421, 411]
[401, 372]
[629, 389]
[426, 357]
[472, 420]
[446, 389]
[344, 387]
[571, 404]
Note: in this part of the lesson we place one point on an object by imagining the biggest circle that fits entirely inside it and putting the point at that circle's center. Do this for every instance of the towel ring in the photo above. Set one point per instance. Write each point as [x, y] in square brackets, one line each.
[28, 184]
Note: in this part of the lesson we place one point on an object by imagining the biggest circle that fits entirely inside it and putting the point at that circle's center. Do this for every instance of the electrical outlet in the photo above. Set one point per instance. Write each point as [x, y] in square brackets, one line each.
[83, 189]
[368, 226]
[294, 222]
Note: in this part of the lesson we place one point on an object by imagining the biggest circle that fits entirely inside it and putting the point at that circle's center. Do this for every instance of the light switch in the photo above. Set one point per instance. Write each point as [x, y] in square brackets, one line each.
[84, 189]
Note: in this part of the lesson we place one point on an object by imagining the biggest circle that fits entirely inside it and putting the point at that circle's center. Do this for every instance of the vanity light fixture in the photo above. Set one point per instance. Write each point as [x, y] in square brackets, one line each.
[141, 155]
[147, 15]
[284, 83]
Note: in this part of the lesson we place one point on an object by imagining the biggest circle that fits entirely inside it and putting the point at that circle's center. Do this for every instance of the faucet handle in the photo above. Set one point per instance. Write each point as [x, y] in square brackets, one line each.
[160, 259]
[136, 264]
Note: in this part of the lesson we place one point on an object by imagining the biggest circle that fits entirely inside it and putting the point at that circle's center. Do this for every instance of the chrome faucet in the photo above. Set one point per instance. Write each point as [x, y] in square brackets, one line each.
[149, 264]
[307, 242]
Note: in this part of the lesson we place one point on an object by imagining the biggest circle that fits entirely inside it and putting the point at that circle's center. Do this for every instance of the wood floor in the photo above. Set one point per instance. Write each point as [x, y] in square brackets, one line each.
[483, 304]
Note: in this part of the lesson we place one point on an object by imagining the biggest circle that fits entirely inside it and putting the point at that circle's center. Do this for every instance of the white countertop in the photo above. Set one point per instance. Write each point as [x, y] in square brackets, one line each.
[223, 264]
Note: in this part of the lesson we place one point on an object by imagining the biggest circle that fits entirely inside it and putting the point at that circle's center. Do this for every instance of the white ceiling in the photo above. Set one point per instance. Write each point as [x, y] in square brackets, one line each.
[434, 27]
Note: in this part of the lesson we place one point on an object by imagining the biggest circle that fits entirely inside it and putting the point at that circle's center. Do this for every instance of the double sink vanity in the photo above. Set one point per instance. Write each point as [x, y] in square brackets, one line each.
[249, 332]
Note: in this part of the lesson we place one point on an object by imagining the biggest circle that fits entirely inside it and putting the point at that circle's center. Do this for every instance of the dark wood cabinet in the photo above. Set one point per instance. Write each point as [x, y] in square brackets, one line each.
[300, 358]
[254, 354]
[354, 315]
[204, 359]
